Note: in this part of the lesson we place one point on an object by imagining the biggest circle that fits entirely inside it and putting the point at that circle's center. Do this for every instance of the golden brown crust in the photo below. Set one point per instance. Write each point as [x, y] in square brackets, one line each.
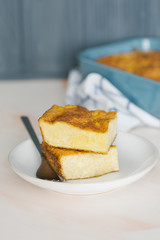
[58, 152]
[53, 159]
[146, 64]
[80, 117]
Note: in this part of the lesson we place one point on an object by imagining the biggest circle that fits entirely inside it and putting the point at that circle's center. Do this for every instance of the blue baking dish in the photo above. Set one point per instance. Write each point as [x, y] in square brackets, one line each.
[142, 91]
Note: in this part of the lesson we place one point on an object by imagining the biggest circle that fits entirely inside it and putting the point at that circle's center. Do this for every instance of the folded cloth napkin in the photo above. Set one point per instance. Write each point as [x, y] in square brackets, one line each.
[95, 92]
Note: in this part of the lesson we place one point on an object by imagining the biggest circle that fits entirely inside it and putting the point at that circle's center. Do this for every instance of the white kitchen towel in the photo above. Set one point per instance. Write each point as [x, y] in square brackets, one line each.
[96, 92]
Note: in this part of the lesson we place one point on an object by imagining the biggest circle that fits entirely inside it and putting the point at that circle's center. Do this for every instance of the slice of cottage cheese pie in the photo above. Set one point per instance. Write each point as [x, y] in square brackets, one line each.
[75, 164]
[75, 127]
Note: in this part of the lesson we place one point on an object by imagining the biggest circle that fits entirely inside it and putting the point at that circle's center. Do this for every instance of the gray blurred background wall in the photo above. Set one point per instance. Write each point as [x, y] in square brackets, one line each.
[41, 38]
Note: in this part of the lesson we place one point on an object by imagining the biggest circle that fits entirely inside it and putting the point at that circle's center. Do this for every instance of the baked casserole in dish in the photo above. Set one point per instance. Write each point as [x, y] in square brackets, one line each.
[133, 66]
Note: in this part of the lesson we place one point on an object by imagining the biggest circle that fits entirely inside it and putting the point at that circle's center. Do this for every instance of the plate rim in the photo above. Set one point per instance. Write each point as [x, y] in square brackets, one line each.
[112, 185]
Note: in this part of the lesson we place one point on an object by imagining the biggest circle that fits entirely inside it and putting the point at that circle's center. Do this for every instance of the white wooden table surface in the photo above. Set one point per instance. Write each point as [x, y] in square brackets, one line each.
[28, 212]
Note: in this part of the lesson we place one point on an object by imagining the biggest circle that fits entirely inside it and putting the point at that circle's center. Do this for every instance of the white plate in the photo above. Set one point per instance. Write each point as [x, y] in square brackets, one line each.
[136, 156]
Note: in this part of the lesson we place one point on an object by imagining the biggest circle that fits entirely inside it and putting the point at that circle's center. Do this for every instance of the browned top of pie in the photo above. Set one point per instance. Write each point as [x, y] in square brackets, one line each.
[79, 117]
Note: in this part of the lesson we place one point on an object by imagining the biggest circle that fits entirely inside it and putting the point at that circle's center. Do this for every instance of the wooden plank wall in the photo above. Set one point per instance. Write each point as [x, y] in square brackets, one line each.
[40, 38]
